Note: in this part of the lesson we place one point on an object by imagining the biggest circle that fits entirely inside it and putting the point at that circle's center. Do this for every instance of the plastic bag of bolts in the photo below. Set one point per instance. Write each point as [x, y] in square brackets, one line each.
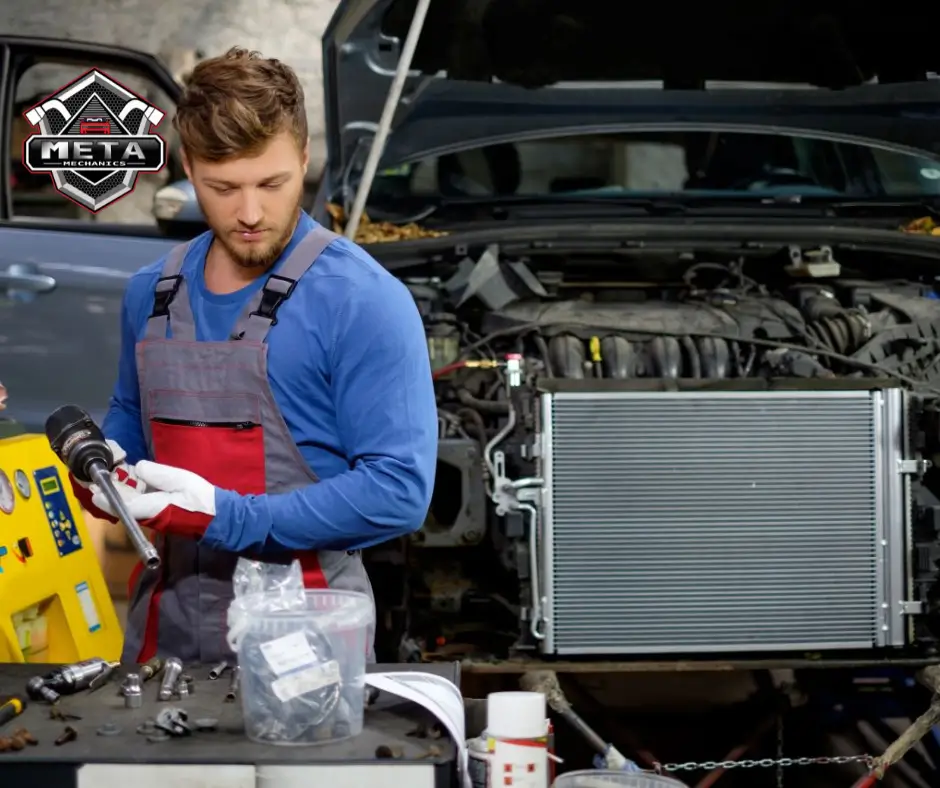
[306, 706]
[303, 674]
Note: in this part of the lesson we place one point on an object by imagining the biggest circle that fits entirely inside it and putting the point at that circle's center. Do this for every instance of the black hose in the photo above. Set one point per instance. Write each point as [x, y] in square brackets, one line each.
[473, 416]
[542, 345]
[843, 332]
[482, 405]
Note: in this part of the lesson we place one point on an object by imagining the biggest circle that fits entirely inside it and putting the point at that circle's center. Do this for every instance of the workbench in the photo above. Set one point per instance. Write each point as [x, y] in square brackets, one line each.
[224, 757]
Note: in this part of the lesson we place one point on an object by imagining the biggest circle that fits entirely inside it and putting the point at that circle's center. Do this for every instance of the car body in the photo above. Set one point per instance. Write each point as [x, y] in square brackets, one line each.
[46, 336]
[686, 358]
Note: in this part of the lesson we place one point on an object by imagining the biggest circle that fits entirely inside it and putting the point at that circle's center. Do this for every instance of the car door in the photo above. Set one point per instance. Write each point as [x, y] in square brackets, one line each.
[63, 269]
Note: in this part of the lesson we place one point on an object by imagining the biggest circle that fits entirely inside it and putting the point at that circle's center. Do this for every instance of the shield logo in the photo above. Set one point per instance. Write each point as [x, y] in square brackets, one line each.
[94, 137]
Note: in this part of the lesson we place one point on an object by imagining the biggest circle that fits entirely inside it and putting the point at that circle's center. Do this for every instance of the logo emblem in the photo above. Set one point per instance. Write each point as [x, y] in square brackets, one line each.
[95, 136]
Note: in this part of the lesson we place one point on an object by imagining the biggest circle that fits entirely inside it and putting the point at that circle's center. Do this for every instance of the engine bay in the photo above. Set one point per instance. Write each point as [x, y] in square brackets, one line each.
[506, 333]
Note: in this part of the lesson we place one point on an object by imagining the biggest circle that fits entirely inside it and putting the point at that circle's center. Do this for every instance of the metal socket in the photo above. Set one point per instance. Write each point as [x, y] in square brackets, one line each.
[186, 686]
[133, 691]
[172, 669]
[218, 670]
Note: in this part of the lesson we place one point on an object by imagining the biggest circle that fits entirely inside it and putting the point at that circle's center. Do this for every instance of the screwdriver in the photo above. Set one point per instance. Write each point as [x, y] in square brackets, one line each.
[11, 708]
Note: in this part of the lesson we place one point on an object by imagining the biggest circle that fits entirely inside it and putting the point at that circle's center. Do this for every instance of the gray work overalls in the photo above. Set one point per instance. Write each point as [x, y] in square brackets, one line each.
[208, 407]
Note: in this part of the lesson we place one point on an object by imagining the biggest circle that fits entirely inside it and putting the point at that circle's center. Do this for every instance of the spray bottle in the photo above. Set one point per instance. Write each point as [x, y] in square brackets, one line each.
[513, 751]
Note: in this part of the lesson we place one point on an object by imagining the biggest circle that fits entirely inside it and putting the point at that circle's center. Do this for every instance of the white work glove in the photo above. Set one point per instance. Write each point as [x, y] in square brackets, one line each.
[124, 478]
[176, 501]
[121, 472]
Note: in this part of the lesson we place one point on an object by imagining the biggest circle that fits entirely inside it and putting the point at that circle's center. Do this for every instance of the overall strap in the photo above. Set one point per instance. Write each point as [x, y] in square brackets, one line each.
[261, 312]
[171, 301]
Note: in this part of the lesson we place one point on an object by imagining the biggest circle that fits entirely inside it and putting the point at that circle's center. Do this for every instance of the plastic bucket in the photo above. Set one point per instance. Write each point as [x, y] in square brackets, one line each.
[596, 778]
[303, 670]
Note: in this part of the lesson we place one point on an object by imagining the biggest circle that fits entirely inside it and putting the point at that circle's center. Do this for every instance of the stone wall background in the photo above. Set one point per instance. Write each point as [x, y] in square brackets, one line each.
[175, 29]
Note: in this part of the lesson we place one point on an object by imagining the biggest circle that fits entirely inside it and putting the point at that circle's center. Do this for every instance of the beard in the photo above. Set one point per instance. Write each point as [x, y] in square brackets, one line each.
[259, 256]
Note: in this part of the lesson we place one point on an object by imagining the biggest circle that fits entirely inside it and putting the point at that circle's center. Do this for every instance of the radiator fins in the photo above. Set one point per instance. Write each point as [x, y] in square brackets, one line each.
[714, 521]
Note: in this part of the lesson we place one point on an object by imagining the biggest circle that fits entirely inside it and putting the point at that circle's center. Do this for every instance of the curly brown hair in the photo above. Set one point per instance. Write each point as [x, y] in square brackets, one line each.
[234, 104]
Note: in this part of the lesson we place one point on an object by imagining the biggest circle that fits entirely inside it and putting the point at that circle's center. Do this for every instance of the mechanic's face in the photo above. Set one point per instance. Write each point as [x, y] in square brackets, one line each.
[252, 203]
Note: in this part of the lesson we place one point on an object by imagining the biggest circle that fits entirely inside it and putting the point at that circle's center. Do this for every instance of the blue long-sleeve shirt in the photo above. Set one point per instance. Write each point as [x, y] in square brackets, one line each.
[349, 368]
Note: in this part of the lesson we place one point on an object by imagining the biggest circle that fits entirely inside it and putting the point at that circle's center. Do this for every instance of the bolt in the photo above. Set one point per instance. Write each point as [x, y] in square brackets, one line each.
[69, 734]
[171, 672]
[151, 668]
[26, 736]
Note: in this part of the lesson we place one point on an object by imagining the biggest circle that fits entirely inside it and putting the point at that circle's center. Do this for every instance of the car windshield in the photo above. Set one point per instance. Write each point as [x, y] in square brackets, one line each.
[684, 164]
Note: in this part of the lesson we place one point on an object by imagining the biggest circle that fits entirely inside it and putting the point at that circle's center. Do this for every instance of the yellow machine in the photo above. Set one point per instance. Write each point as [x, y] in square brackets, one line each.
[54, 602]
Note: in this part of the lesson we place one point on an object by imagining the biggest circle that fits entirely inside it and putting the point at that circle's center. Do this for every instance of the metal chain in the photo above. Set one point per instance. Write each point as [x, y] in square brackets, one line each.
[822, 760]
[779, 750]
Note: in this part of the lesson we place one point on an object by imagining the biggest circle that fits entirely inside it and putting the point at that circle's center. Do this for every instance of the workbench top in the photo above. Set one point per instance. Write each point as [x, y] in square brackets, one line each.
[389, 723]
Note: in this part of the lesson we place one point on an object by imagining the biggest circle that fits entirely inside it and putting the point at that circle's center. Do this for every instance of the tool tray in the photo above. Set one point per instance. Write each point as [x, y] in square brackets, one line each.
[391, 725]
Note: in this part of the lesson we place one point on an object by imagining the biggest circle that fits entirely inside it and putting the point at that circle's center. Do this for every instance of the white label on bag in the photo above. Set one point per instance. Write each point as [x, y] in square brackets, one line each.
[307, 680]
[288, 653]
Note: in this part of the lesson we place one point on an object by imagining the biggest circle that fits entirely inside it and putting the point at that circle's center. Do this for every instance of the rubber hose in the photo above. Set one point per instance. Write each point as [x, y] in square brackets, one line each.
[482, 405]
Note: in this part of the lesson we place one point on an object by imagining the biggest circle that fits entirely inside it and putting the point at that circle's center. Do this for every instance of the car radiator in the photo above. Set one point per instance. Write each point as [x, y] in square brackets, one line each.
[723, 521]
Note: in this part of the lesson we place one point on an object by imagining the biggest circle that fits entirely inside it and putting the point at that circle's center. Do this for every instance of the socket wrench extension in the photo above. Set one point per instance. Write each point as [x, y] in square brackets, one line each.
[172, 669]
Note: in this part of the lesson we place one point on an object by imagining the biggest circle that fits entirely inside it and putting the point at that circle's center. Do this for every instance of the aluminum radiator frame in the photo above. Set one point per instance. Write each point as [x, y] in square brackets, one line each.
[568, 588]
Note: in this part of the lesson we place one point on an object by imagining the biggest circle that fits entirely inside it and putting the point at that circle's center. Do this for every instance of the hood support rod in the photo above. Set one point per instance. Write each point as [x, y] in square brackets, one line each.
[388, 113]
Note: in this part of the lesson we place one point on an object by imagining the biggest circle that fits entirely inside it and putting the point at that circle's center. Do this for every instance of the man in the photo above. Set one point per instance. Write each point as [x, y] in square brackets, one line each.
[274, 394]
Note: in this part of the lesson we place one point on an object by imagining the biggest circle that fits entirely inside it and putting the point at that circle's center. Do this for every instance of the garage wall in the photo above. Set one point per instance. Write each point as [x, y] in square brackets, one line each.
[286, 29]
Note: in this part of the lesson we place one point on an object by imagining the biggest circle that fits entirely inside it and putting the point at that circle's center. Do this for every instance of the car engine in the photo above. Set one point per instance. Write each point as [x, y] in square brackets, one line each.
[675, 454]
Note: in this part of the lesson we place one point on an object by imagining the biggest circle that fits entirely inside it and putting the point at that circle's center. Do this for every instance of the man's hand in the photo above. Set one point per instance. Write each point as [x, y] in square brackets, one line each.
[125, 481]
[176, 501]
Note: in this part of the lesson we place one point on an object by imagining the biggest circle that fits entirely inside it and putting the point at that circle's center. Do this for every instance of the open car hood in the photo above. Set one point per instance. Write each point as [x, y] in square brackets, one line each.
[487, 70]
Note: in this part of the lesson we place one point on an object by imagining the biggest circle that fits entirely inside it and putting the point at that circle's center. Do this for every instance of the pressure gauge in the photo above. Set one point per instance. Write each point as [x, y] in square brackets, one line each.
[21, 480]
[7, 501]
